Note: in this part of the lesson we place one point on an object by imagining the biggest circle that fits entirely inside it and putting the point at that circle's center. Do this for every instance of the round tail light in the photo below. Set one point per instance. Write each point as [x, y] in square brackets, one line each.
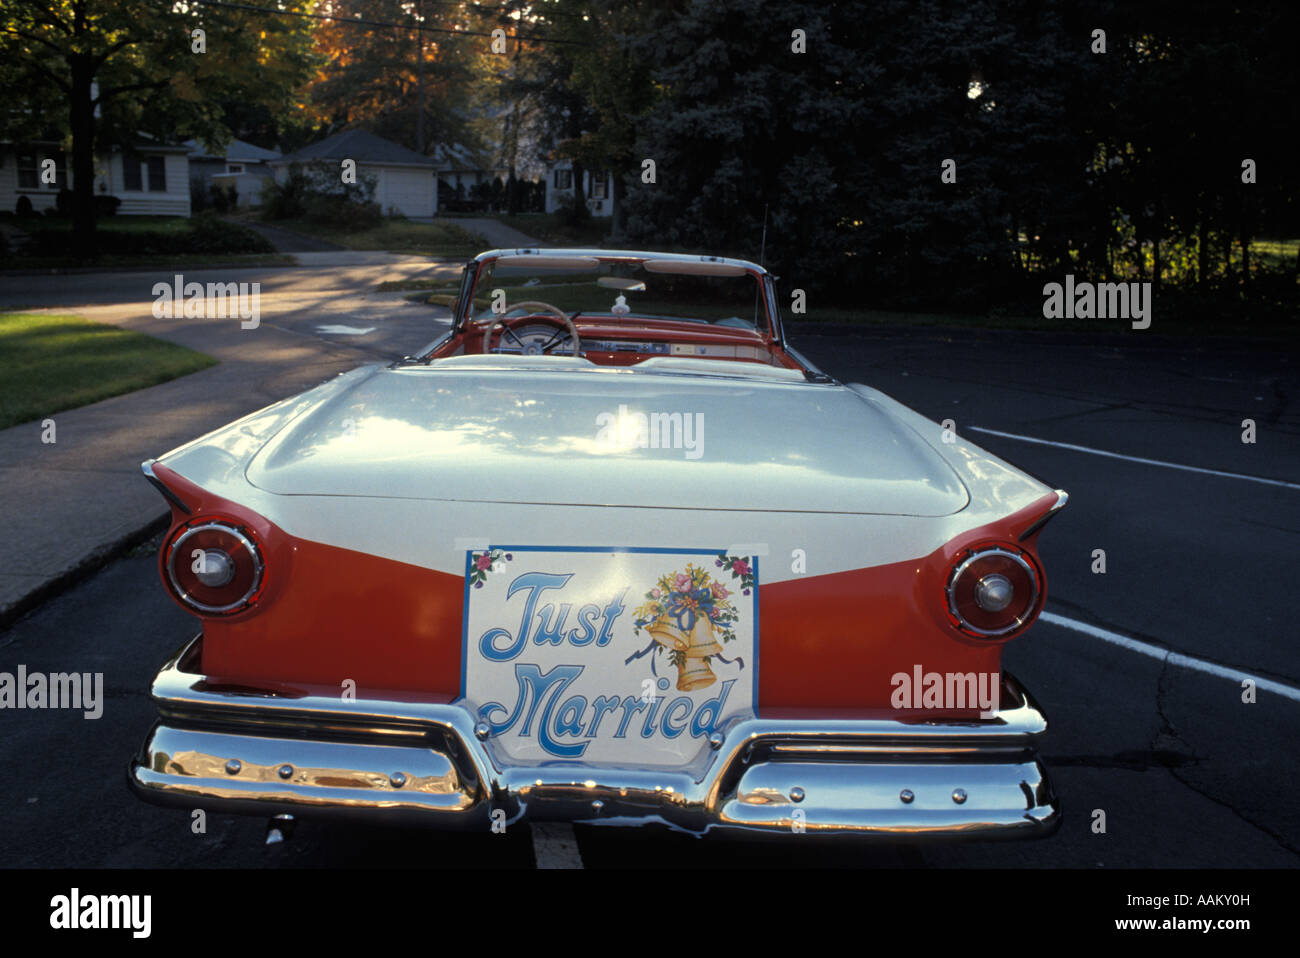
[993, 591]
[214, 567]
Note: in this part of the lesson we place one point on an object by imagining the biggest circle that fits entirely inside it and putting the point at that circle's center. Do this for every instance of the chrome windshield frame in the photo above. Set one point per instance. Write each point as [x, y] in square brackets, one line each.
[461, 314]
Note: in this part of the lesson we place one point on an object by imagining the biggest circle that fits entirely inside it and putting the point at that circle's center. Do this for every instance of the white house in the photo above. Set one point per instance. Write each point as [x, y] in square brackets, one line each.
[598, 188]
[461, 169]
[241, 165]
[405, 180]
[150, 177]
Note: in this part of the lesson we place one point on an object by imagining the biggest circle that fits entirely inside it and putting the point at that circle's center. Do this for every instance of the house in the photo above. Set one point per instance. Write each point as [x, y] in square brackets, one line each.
[404, 179]
[148, 176]
[598, 188]
[459, 171]
[241, 165]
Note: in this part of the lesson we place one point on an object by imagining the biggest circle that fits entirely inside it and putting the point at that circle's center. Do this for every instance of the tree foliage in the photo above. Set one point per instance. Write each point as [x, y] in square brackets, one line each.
[1123, 164]
[97, 73]
[410, 83]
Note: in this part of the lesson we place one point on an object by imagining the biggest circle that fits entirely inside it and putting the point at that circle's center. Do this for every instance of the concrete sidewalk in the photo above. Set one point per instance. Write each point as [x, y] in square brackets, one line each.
[71, 504]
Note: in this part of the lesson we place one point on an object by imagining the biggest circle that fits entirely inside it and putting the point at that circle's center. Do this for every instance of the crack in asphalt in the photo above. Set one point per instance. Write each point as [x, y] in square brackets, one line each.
[1107, 407]
[1274, 415]
[1169, 730]
[1133, 760]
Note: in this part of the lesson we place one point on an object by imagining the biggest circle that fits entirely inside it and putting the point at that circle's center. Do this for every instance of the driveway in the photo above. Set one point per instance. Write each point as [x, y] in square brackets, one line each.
[498, 235]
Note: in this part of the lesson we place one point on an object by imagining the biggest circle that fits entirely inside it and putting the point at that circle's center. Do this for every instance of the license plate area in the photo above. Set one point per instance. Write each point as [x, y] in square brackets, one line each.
[608, 656]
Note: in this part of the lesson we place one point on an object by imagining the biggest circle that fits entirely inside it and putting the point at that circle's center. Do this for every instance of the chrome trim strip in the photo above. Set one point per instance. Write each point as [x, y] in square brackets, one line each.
[1062, 499]
[421, 762]
[460, 312]
[616, 255]
[147, 468]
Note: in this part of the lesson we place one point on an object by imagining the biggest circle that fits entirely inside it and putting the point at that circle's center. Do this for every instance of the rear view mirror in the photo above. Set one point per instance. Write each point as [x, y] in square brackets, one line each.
[618, 282]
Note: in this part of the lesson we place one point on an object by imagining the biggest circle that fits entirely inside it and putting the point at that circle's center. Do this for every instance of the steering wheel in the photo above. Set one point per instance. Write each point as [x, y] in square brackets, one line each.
[557, 315]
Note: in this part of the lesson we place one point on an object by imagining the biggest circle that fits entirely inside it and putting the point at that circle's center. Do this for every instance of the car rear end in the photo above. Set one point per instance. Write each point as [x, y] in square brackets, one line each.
[464, 614]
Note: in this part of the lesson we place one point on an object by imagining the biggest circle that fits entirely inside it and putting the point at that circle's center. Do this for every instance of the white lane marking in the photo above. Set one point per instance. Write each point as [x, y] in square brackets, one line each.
[336, 329]
[1148, 462]
[1170, 656]
[555, 845]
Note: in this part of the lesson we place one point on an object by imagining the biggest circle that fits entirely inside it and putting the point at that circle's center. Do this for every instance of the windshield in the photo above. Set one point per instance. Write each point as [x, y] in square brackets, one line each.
[652, 290]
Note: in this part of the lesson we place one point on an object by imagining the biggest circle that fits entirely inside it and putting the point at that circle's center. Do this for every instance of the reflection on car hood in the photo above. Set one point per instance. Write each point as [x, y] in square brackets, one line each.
[576, 436]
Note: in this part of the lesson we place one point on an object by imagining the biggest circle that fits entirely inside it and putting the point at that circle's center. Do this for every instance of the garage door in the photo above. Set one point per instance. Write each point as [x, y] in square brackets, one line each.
[411, 191]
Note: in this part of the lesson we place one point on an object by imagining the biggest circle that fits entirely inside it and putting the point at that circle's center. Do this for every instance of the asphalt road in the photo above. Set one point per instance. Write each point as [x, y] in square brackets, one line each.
[1199, 564]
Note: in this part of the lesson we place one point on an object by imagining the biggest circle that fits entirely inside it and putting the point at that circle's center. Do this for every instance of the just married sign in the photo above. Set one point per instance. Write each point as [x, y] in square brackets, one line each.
[613, 656]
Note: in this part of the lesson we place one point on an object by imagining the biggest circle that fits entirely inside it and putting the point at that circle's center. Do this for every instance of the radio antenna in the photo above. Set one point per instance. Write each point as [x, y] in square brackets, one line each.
[763, 244]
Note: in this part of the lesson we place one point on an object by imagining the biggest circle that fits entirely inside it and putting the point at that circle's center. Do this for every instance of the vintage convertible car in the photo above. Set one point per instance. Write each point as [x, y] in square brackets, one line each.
[608, 551]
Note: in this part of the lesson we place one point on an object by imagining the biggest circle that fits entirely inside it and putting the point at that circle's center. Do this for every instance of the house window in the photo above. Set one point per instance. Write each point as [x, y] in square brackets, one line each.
[131, 172]
[234, 167]
[157, 174]
[598, 187]
[28, 171]
[564, 179]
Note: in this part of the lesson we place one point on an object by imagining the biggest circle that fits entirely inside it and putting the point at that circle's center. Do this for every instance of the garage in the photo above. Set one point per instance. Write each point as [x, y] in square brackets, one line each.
[404, 179]
[410, 191]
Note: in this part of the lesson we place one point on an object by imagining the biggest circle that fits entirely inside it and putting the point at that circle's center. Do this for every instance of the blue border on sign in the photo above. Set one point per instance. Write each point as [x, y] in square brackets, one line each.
[464, 622]
[469, 559]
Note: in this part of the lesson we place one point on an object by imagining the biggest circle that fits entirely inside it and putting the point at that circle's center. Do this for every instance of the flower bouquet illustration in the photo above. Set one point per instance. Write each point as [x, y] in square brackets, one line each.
[482, 564]
[689, 617]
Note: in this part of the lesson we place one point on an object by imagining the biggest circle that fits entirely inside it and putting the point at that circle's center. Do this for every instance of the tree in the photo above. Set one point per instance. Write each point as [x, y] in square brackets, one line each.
[121, 66]
[411, 83]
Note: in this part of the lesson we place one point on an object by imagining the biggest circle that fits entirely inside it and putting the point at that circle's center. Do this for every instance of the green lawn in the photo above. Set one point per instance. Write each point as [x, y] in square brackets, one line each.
[106, 224]
[124, 242]
[398, 236]
[57, 362]
[150, 261]
[1279, 253]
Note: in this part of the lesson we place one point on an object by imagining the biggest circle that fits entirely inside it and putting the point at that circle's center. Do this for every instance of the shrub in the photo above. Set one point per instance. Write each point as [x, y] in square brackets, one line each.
[24, 207]
[200, 199]
[339, 211]
[287, 200]
[224, 198]
[315, 191]
[211, 235]
[63, 202]
[207, 234]
[106, 205]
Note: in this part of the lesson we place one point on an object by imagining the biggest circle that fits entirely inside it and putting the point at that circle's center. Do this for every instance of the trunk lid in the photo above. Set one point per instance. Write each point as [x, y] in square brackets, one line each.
[577, 436]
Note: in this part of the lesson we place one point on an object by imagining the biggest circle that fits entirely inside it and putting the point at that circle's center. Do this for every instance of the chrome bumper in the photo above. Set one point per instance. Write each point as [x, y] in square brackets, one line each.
[418, 763]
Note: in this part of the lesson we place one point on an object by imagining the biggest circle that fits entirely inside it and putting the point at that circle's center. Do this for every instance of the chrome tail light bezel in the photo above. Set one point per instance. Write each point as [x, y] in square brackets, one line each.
[968, 558]
[244, 537]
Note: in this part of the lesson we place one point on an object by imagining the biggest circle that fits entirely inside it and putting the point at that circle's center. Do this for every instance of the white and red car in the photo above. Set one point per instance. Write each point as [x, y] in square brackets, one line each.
[609, 551]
